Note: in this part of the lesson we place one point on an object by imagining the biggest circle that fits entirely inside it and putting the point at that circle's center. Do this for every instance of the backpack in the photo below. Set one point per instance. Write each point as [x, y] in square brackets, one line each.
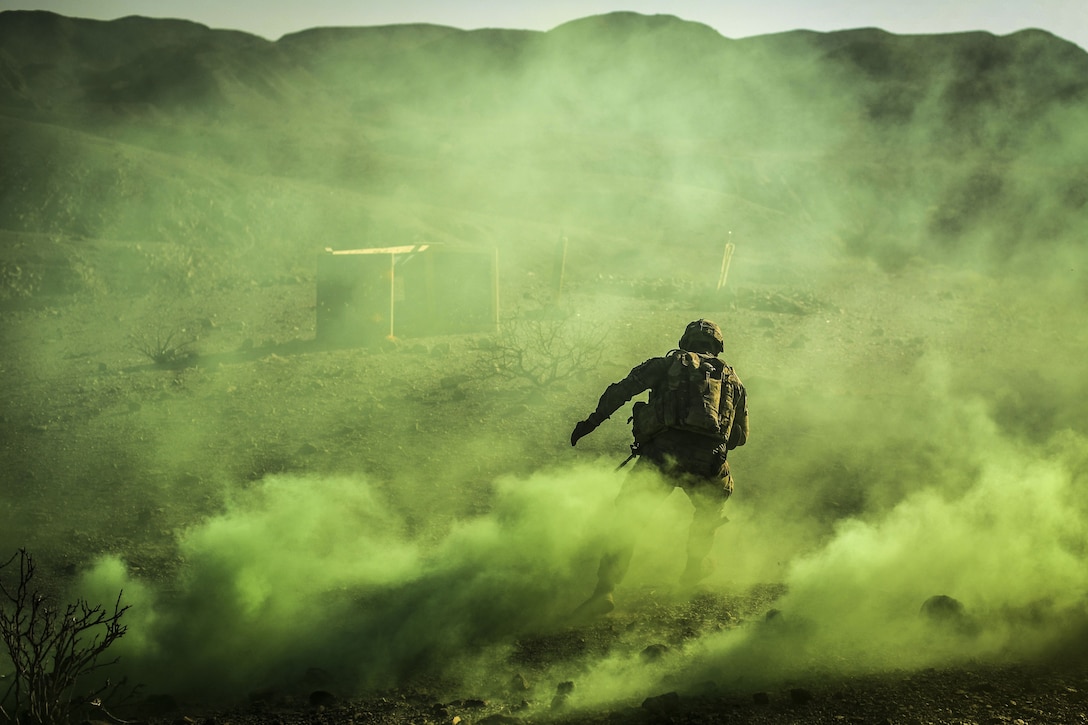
[697, 396]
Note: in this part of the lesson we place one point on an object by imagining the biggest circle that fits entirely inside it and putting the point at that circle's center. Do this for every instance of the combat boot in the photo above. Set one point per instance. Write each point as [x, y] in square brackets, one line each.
[696, 571]
[597, 605]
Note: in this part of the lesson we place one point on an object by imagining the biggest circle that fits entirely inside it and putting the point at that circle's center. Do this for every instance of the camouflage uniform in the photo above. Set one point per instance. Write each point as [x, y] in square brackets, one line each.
[692, 461]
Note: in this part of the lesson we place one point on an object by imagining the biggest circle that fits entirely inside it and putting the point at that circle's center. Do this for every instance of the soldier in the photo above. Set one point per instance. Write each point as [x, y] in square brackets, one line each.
[697, 412]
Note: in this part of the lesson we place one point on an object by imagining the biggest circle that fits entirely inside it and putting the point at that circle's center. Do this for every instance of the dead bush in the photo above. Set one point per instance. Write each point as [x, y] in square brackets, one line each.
[53, 650]
[167, 347]
[542, 347]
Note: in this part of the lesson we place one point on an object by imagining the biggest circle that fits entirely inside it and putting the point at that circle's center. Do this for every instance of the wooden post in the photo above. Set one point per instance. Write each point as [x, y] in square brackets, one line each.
[560, 267]
[392, 291]
[726, 259]
[495, 287]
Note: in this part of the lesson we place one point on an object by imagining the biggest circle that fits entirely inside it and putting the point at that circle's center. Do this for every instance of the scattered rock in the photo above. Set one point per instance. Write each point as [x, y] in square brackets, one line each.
[518, 683]
[949, 613]
[662, 705]
[654, 652]
[562, 692]
[943, 608]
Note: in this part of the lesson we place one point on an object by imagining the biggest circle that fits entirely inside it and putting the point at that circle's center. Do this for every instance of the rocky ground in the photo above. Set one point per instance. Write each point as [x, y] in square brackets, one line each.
[1054, 691]
[107, 451]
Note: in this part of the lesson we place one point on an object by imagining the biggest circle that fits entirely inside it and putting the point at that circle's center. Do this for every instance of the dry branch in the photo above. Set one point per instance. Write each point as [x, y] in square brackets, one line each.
[51, 649]
[543, 348]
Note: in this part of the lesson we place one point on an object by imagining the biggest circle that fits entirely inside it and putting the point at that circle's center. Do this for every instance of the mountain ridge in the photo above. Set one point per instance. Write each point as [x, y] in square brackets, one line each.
[974, 136]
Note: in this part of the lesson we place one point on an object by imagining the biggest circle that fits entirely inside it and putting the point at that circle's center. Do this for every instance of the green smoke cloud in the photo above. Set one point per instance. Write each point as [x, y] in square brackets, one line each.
[305, 572]
[1010, 548]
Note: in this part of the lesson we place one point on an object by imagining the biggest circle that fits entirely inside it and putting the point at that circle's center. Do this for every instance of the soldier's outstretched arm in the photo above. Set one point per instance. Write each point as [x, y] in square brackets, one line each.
[615, 395]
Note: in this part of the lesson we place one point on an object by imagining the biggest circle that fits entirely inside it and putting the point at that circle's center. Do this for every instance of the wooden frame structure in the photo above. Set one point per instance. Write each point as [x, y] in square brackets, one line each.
[367, 295]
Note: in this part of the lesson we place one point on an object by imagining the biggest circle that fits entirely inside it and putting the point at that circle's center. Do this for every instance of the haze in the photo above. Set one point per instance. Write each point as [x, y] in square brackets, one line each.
[905, 304]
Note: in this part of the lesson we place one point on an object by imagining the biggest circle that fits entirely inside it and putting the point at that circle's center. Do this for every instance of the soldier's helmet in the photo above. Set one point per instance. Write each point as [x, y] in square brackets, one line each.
[702, 336]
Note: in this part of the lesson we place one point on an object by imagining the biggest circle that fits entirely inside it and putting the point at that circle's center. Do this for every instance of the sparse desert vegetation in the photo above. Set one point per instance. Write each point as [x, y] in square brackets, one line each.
[396, 532]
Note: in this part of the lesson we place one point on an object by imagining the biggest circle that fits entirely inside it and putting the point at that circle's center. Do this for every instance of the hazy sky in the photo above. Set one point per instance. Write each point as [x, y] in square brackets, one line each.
[732, 18]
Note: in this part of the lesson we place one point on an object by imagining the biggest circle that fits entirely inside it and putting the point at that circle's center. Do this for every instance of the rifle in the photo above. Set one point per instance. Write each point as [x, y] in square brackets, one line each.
[634, 452]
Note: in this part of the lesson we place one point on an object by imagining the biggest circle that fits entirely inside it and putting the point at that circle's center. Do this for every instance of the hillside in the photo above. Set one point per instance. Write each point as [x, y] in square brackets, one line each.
[621, 125]
[405, 525]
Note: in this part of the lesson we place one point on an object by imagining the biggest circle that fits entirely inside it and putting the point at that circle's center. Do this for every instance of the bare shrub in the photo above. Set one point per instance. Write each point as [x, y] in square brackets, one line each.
[165, 346]
[542, 347]
[52, 649]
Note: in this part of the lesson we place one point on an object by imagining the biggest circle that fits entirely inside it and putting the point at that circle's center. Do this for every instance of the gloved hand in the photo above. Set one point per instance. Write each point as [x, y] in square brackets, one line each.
[583, 428]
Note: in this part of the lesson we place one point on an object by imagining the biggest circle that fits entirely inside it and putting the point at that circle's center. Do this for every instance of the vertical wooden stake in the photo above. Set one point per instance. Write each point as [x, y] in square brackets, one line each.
[726, 259]
[392, 291]
[495, 287]
[560, 267]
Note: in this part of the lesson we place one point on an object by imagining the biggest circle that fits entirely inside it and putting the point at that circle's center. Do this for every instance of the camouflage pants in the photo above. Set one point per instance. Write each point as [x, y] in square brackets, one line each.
[693, 463]
[683, 461]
